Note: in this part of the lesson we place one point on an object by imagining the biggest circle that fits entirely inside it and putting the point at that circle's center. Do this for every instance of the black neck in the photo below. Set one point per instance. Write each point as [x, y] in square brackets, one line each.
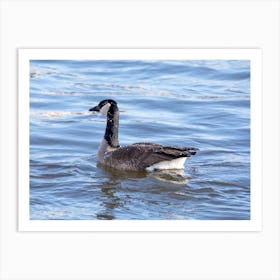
[111, 133]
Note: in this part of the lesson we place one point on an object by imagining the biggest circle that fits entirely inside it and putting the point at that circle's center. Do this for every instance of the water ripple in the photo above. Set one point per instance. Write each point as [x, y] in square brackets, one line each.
[202, 103]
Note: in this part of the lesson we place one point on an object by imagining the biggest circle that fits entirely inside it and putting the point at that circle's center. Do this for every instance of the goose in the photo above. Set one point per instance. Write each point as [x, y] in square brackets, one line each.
[140, 156]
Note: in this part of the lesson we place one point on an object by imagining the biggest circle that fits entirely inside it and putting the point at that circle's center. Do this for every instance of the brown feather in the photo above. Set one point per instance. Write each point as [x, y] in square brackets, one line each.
[140, 156]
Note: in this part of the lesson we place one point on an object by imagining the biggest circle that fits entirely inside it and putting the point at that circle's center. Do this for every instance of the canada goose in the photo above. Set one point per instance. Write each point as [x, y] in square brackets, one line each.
[138, 156]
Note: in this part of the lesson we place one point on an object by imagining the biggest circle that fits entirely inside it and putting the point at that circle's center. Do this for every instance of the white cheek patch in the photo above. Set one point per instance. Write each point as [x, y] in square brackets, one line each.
[104, 110]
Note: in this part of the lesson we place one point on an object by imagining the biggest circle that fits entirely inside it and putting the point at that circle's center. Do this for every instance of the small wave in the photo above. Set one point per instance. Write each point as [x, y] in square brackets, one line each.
[127, 87]
[35, 67]
[56, 175]
[60, 114]
[63, 92]
[235, 90]
[232, 76]
[204, 190]
[38, 73]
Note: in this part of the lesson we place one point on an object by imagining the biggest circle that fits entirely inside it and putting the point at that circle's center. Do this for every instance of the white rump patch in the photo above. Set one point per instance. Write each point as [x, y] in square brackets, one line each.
[104, 110]
[177, 163]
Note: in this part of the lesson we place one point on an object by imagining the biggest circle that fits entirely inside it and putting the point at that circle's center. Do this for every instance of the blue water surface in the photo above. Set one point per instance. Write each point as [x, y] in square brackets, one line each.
[200, 103]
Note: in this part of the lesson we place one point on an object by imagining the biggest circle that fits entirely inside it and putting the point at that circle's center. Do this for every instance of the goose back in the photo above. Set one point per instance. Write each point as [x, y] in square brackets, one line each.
[143, 156]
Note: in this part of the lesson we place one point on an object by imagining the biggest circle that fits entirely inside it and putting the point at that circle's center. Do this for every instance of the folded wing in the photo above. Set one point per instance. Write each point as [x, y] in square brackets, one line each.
[140, 156]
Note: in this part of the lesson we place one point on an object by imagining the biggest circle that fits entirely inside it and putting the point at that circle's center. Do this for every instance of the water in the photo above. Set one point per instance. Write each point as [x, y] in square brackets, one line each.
[205, 104]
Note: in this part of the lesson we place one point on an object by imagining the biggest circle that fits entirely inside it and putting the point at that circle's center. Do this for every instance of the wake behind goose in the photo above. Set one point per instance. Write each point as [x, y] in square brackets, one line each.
[138, 156]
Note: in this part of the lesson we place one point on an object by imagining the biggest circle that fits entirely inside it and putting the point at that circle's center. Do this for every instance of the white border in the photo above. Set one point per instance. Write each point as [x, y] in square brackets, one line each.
[24, 57]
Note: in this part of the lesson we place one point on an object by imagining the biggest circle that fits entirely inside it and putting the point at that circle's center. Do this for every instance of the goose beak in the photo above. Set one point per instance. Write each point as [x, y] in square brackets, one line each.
[95, 109]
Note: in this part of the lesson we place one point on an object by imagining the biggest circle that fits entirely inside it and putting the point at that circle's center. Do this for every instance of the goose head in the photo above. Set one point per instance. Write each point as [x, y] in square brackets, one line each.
[104, 106]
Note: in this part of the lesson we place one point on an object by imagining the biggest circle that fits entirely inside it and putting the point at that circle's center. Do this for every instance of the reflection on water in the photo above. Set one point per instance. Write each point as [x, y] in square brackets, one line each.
[205, 104]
